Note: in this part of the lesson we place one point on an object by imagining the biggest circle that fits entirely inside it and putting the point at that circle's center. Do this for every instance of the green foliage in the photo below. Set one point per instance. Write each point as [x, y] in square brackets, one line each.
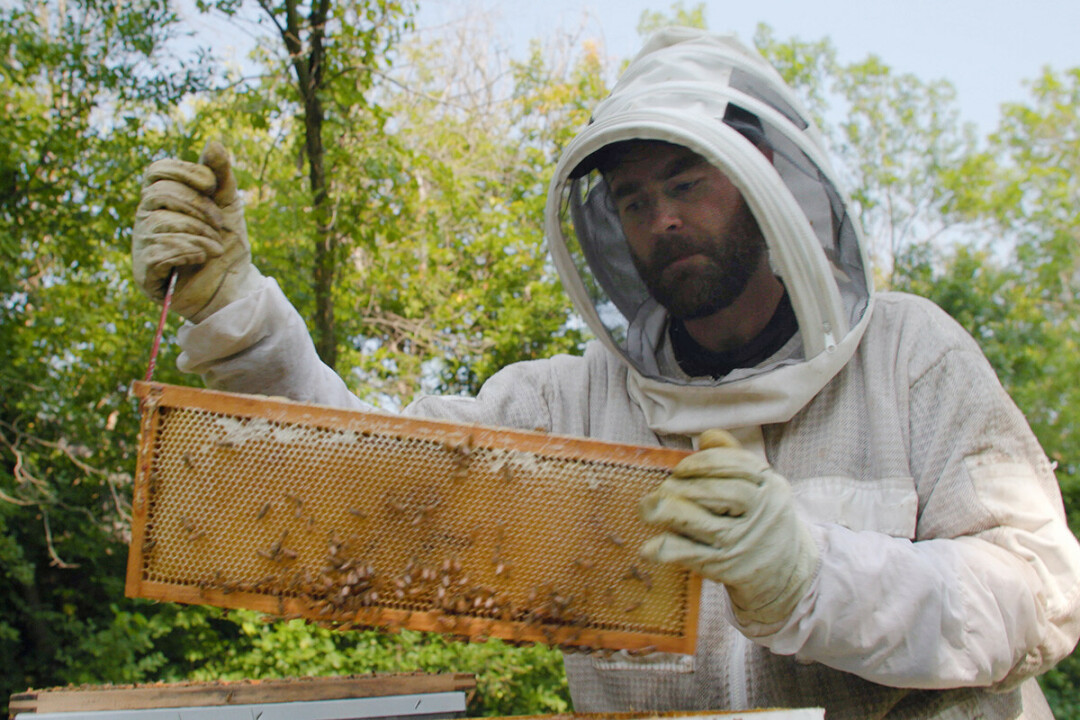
[893, 134]
[87, 88]
[1026, 189]
[1062, 687]
[456, 283]
[333, 54]
[1027, 182]
[652, 20]
[898, 132]
[76, 332]
[809, 67]
[510, 680]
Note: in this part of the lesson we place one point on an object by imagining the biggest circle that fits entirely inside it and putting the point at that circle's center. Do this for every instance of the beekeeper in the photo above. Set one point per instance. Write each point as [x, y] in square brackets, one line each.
[880, 533]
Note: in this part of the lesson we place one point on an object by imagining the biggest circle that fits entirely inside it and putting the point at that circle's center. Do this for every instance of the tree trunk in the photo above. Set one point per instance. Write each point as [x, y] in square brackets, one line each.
[308, 64]
[325, 243]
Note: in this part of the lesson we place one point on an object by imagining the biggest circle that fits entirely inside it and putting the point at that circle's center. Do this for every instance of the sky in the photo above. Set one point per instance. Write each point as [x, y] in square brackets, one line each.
[985, 48]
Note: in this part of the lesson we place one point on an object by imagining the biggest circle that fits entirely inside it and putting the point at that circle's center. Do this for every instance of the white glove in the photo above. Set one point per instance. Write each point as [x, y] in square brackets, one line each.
[732, 519]
[191, 218]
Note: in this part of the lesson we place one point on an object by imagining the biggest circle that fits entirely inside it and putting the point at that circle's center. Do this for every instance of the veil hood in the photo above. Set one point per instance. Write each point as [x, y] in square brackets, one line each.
[722, 100]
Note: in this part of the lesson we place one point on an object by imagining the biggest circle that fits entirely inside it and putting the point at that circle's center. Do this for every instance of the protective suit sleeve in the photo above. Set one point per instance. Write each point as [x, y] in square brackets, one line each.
[987, 592]
[260, 345]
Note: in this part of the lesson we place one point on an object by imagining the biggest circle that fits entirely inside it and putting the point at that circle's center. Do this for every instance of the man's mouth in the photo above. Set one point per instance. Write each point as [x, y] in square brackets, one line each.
[675, 251]
[681, 262]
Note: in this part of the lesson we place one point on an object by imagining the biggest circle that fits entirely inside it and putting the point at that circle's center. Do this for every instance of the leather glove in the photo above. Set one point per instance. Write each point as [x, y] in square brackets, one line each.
[729, 517]
[191, 218]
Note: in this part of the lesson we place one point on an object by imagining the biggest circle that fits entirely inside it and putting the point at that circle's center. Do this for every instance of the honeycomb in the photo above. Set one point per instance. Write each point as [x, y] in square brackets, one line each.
[357, 519]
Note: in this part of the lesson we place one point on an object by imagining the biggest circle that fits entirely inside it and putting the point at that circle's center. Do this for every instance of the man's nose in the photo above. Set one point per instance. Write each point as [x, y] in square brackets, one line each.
[666, 216]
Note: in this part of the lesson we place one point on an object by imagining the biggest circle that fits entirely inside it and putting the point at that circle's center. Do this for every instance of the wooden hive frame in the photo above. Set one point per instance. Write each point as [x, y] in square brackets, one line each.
[363, 519]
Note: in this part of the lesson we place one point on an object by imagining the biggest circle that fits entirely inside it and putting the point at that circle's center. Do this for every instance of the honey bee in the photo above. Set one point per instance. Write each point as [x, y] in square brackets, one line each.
[640, 575]
[462, 454]
[573, 637]
[192, 531]
[638, 652]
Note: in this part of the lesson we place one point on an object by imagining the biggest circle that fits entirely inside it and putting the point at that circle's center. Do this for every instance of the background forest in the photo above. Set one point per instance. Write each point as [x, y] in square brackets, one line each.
[394, 184]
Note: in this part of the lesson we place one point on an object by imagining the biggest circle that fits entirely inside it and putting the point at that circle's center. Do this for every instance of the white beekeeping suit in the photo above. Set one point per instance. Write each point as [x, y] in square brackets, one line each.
[944, 574]
[946, 561]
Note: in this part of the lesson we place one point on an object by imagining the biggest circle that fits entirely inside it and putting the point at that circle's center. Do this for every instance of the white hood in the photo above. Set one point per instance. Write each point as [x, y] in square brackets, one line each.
[679, 89]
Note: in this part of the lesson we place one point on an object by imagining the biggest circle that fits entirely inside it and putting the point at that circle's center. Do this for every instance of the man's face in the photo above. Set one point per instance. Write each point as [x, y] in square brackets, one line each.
[693, 239]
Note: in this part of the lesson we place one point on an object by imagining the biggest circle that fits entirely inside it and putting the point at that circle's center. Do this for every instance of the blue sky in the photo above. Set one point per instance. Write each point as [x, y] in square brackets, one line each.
[986, 48]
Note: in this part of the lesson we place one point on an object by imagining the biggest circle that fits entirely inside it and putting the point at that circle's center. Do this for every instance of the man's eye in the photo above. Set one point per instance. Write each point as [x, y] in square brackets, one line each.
[684, 187]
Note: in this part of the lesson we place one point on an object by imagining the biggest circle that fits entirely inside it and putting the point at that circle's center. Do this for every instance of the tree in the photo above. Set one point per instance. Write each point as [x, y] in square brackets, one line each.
[460, 285]
[899, 132]
[651, 21]
[1025, 184]
[88, 88]
[333, 52]
[893, 135]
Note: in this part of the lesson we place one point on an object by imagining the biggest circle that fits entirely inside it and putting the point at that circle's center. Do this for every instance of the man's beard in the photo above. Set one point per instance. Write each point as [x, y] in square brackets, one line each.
[701, 291]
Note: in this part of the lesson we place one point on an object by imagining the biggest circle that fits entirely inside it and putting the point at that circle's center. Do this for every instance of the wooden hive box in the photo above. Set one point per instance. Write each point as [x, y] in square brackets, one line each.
[115, 698]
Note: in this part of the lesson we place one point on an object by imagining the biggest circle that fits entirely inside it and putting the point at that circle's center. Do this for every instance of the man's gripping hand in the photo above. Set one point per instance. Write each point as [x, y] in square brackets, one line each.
[732, 519]
[191, 219]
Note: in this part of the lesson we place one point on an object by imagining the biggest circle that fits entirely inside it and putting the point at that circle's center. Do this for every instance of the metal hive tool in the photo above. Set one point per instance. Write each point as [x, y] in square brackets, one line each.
[369, 520]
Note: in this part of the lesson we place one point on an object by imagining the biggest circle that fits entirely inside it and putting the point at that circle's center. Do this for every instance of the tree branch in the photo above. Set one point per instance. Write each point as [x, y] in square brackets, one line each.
[56, 561]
